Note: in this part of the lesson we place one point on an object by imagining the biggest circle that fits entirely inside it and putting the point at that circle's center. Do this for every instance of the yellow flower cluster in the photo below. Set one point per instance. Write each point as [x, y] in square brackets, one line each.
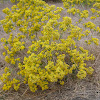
[68, 3]
[97, 4]
[84, 14]
[94, 40]
[73, 11]
[59, 9]
[81, 74]
[8, 83]
[93, 10]
[15, 45]
[93, 17]
[90, 25]
[86, 32]
[6, 11]
[76, 32]
[8, 26]
[71, 3]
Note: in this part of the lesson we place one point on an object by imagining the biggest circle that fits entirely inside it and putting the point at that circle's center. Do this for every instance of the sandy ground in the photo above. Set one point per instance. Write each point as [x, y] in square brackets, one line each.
[74, 89]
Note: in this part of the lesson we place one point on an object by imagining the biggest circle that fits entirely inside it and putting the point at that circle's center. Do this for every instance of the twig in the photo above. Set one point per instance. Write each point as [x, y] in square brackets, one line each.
[25, 91]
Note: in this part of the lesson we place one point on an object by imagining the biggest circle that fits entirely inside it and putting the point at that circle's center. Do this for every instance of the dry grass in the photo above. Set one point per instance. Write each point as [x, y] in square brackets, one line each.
[87, 88]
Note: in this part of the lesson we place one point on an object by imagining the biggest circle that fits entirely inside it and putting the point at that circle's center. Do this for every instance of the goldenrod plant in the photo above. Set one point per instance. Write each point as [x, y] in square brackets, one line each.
[38, 53]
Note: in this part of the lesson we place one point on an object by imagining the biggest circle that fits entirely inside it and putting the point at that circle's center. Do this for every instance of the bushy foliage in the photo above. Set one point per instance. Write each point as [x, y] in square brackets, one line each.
[91, 3]
[52, 0]
[39, 54]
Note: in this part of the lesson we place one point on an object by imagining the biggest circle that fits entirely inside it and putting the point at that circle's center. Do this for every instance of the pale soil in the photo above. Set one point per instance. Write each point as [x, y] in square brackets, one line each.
[87, 89]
